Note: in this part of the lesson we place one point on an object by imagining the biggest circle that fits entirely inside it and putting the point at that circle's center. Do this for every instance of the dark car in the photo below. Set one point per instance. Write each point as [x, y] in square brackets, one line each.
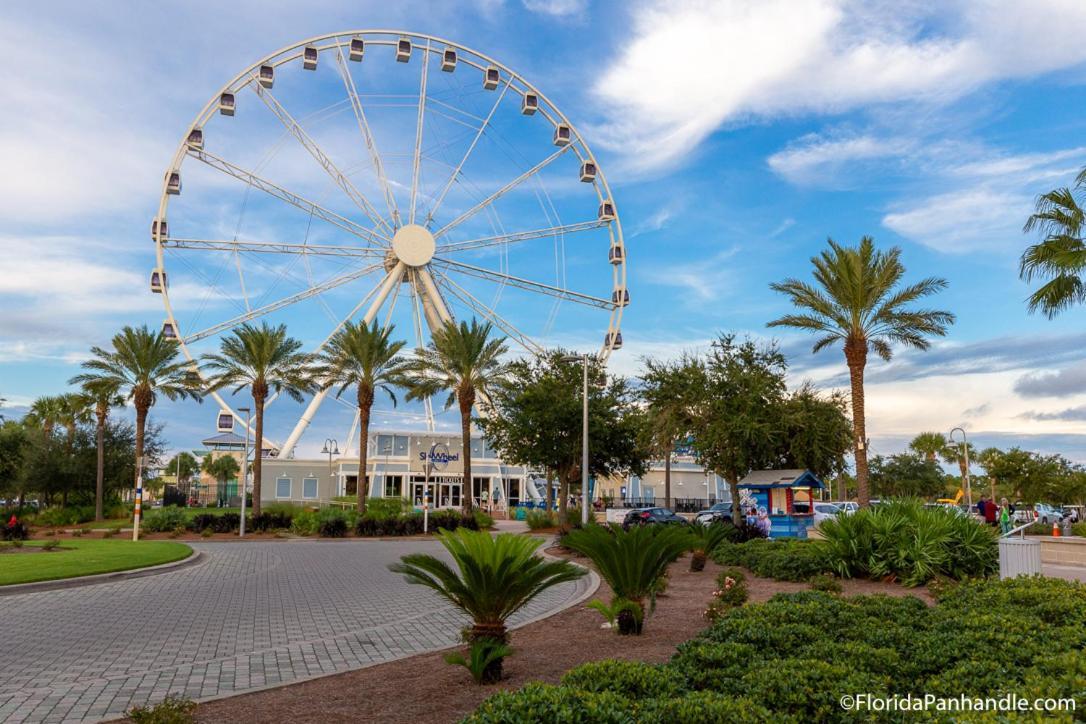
[651, 516]
[718, 511]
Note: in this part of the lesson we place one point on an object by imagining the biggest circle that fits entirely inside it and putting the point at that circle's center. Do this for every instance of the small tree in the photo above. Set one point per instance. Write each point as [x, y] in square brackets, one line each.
[905, 476]
[223, 469]
[103, 394]
[669, 392]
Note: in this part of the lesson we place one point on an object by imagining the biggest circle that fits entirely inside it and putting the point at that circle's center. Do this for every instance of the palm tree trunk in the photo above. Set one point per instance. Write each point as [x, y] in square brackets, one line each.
[143, 404]
[467, 399]
[737, 510]
[563, 498]
[260, 393]
[365, 404]
[667, 480]
[100, 472]
[856, 357]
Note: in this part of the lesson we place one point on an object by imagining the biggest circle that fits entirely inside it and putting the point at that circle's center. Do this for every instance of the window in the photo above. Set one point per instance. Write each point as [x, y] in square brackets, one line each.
[393, 486]
[282, 487]
[309, 487]
[399, 446]
[778, 501]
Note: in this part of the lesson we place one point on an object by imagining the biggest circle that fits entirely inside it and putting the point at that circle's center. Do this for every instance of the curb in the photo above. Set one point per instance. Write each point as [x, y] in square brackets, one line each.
[195, 558]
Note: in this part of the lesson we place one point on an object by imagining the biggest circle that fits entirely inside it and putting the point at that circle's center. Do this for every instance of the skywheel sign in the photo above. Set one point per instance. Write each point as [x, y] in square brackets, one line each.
[438, 454]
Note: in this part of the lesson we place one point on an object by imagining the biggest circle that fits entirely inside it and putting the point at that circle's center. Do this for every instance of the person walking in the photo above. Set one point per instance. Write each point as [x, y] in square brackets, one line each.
[991, 510]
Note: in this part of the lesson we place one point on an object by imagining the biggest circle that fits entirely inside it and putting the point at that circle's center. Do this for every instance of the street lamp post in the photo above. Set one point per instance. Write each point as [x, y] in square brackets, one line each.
[965, 476]
[244, 473]
[331, 447]
[583, 359]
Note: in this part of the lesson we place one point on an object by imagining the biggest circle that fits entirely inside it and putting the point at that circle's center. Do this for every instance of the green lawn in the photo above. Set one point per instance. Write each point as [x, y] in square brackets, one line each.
[84, 557]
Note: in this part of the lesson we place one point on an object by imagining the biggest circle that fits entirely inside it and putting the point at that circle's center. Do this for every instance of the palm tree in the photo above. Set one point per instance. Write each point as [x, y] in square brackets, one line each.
[858, 302]
[142, 365]
[364, 358]
[261, 358]
[1061, 257]
[222, 469]
[931, 445]
[952, 454]
[45, 412]
[103, 394]
[464, 361]
[989, 459]
[75, 409]
[497, 577]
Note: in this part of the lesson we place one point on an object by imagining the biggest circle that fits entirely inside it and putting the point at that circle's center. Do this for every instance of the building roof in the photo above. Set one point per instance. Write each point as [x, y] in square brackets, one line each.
[232, 439]
[781, 479]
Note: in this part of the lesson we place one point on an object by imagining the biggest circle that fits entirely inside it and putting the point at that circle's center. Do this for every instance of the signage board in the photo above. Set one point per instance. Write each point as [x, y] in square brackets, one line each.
[436, 455]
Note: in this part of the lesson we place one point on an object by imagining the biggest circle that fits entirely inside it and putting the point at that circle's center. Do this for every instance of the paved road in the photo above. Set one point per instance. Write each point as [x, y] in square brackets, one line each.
[253, 615]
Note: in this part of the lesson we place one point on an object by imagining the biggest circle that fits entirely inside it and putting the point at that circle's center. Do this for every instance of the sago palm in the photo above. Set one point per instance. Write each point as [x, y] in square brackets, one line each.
[142, 365]
[103, 395]
[1060, 258]
[263, 359]
[464, 361]
[858, 301]
[704, 539]
[931, 445]
[632, 562]
[494, 578]
[363, 357]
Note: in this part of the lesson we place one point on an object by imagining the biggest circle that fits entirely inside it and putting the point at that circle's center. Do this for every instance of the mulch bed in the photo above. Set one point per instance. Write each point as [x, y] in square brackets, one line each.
[424, 689]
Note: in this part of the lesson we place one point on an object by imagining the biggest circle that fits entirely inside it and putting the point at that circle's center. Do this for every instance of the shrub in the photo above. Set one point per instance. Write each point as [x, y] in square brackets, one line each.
[483, 520]
[1079, 529]
[170, 711]
[910, 542]
[50, 545]
[160, 520]
[226, 523]
[304, 523]
[825, 583]
[704, 540]
[632, 562]
[383, 508]
[271, 518]
[783, 560]
[207, 533]
[482, 654]
[538, 519]
[631, 679]
[71, 515]
[705, 706]
[201, 522]
[14, 531]
[731, 592]
[332, 523]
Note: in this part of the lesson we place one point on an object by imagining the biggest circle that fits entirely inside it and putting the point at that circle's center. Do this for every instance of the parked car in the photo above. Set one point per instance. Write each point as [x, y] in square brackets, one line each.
[825, 511]
[1045, 513]
[718, 511]
[651, 516]
[848, 507]
[951, 508]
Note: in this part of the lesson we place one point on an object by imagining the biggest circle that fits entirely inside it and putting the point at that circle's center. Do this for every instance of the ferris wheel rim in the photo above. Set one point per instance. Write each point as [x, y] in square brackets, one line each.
[340, 40]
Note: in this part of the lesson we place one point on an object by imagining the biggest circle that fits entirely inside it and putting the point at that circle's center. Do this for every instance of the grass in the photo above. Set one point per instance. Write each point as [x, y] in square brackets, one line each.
[87, 556]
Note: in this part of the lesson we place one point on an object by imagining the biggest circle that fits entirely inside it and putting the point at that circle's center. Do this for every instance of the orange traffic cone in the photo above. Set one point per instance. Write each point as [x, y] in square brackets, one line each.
[1055, 529]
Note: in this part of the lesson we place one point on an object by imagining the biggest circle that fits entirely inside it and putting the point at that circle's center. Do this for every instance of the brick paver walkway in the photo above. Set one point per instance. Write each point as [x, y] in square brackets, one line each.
[253, 615]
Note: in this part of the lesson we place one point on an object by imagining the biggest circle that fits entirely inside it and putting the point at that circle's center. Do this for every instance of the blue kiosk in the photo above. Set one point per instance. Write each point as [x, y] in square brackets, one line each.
[786, 495]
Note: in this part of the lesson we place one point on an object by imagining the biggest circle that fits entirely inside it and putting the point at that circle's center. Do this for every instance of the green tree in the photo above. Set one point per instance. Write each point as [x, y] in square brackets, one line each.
[45, 413]
[496, 576]
[143, 365]
[263, 359]
[1060, 258]
[988, 459]
[464, 361]
[857, 301]
[223, 469]
[102, 394]
[817, 432]
[537, 417]
[931, 445]
[669, 393]
[183, 466]
[908, 475]
[738, 420]
[364, 358]
[14, 439]
[955, 453]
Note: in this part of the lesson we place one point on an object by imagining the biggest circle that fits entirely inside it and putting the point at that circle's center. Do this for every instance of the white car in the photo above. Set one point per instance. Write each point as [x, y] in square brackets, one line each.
[825, 511]
[848, 507]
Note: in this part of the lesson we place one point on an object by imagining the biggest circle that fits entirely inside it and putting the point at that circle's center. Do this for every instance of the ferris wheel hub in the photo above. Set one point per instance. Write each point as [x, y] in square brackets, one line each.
[413, 245]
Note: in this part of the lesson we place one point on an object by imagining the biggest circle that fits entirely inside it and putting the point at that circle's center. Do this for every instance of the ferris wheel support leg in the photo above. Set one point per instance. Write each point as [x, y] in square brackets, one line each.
[387, 286]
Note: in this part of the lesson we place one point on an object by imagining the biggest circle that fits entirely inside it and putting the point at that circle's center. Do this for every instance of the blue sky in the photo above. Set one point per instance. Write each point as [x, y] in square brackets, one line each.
[736, 136]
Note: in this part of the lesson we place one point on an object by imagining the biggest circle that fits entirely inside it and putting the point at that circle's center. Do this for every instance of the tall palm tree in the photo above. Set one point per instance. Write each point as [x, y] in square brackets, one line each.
[1060, 258]
[856, 300]
[261, 358]
[464, 361]
[931, 445]
[45, 412]
[953, 455]
[142, 365]
[364, 358]
[103, 395]
[75, 409]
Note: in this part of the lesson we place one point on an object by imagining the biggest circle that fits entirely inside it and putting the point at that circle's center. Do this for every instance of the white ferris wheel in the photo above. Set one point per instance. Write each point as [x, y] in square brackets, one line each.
[391, 176]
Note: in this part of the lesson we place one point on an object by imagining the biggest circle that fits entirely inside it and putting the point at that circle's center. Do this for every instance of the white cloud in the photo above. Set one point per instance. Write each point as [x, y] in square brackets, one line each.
[704, 280]
[813, 158]
[557, 8]
[695, 66]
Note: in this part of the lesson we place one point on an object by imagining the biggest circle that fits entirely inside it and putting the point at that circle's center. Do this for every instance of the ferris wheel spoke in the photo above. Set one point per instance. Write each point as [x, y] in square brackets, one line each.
[416, 166]
[391, 280]
[521, 283]
[500, 239]
[416, 318]
[467, 154]
[324, 286]
[272, 247]
[500, 192]
[310, 207]
[367, 135]
[470, 300]
[337, 176]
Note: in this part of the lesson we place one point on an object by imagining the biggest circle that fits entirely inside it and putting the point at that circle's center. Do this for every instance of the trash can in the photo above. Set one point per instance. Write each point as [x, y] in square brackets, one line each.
[1019, 557]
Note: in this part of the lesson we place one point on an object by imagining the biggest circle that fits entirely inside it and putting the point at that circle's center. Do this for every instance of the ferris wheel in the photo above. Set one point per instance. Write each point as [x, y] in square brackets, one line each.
[390, 176]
